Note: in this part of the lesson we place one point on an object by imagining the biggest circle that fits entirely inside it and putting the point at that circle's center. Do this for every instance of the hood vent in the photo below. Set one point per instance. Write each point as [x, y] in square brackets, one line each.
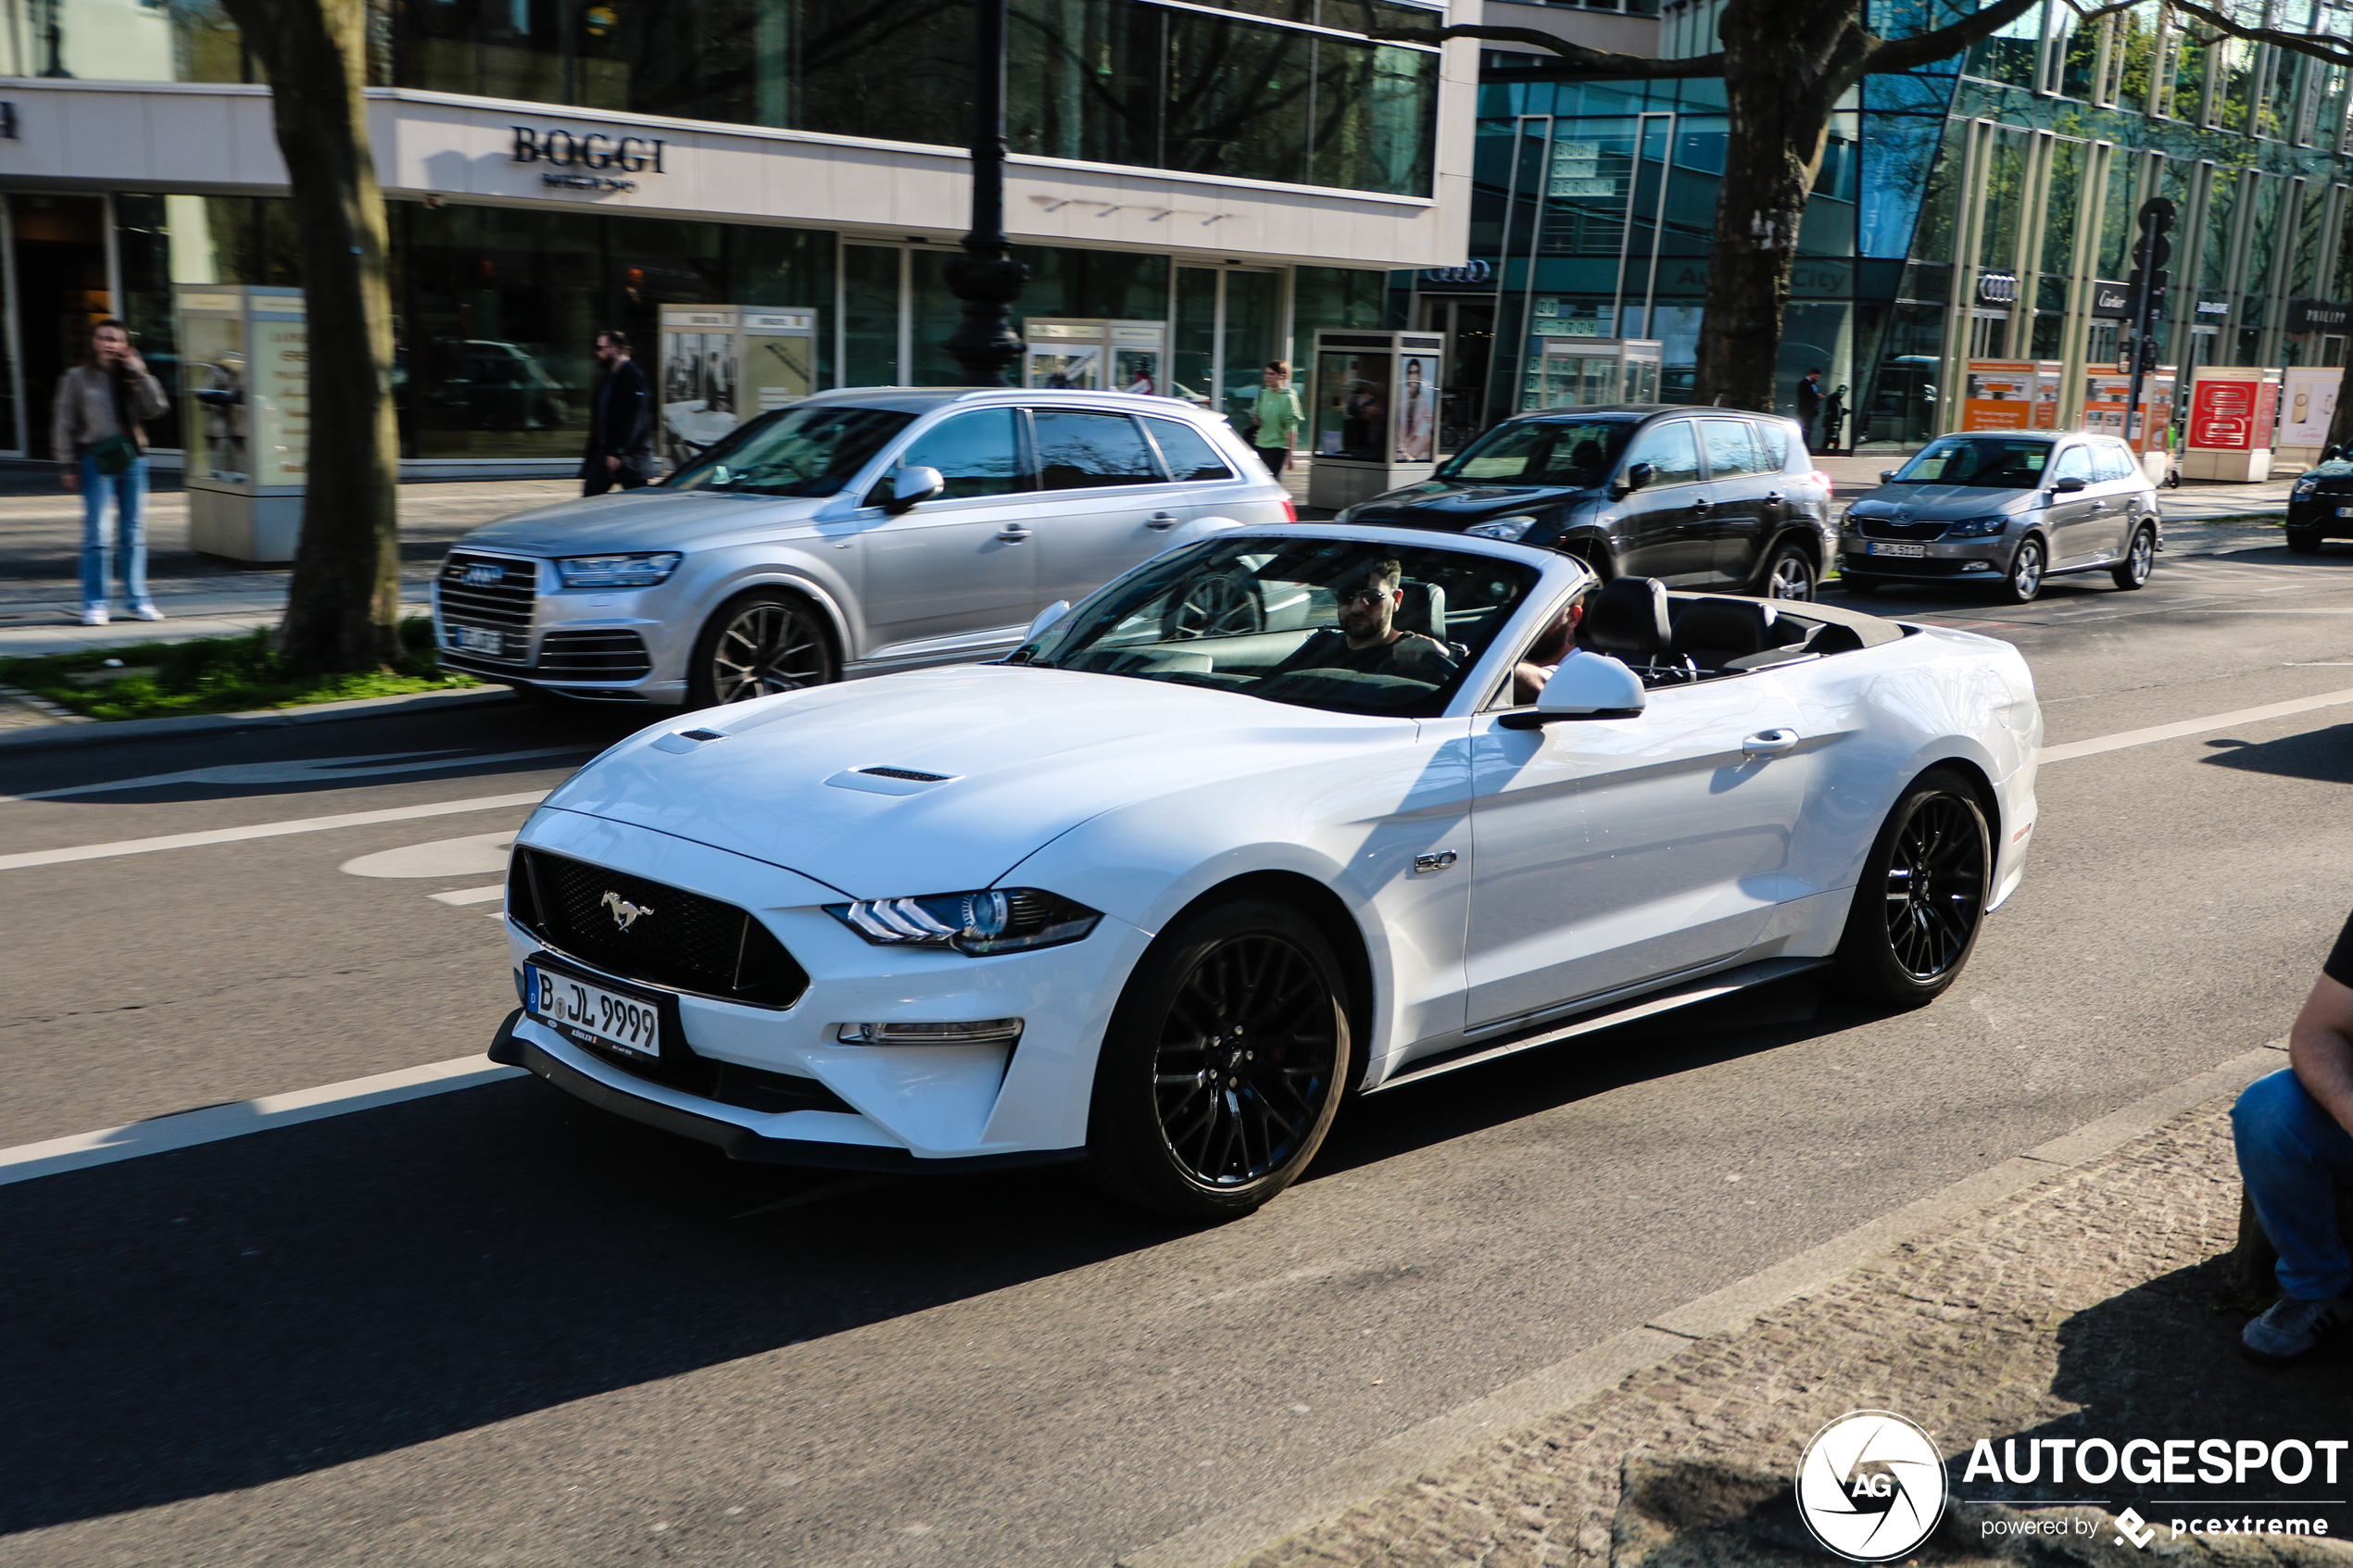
[909, 775]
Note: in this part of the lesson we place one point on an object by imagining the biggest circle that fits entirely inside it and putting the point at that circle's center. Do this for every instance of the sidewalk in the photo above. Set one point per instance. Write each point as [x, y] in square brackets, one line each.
[2084, 1306]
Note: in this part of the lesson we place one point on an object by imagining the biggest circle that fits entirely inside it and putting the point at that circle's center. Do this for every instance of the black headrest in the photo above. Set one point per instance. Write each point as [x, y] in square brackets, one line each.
[1712, 631]
[1423, 610]
[1628, 616]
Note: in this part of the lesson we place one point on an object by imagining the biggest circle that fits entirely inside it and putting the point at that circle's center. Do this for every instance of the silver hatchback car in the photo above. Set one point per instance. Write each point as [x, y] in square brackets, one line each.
[2007, 508]
[852, 534]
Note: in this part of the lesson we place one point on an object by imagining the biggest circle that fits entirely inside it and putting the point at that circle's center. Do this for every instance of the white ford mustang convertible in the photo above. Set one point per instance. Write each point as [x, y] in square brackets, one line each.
[1285, 814]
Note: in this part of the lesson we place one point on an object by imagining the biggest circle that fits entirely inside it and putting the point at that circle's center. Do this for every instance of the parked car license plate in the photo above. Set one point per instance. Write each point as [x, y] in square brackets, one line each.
[476, 639]
[2345, 511]
[577, 1007]
[1883, 547]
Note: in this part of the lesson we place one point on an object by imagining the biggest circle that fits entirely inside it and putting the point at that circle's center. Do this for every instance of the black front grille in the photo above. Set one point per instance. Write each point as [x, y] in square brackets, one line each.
[1888, 528]
[677, 939]
[748, 1088]
[593, 656]
[489, 594]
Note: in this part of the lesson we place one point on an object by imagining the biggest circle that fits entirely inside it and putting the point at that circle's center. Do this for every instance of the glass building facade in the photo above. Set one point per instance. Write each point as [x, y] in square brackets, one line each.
[1963, 211]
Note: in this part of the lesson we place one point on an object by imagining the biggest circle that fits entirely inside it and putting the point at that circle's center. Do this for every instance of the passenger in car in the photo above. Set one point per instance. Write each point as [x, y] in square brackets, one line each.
[1368, 640]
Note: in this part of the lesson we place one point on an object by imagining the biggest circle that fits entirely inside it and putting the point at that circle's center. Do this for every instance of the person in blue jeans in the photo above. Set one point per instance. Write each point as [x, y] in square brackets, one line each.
[97, 433]
[2294, 1153]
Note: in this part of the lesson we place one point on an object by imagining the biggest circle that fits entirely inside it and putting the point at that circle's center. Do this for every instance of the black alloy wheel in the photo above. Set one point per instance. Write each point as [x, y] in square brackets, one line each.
[1215, 604]
[758, 647]
[1921, 899]
[2024, 578]
[1224, 1065]
[2139, 562]
[1789, 574]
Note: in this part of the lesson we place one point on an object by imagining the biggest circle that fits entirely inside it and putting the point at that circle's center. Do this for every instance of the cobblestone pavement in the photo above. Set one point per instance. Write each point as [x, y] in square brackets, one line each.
[2084, 1307]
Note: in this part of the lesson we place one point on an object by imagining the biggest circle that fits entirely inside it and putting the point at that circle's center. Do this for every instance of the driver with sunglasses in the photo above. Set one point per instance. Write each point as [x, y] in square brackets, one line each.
[1366, 642]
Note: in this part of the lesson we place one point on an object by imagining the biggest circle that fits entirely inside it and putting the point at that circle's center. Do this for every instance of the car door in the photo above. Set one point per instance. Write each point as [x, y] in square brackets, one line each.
[1735, 525]
[1103, 501]
[964, 566]
[1613, 851]
[2074, 518]
[1663, 526]
[2118, 481]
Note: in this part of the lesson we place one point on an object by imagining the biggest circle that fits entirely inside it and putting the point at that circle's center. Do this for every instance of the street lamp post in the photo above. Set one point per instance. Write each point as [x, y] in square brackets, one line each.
[986, 279]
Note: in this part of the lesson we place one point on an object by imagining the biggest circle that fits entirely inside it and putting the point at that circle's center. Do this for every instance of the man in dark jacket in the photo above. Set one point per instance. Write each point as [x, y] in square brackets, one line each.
[621, 422]
[1809, 409]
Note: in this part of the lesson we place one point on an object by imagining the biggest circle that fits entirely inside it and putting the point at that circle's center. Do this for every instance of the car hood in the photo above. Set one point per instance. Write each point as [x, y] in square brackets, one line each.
[1025, 756]
[636, 520]
[1456, 505]
[1933, 501]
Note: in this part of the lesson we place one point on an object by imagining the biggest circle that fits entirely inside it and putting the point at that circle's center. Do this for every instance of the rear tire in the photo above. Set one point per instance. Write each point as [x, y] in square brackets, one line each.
[757, 646]
[1224, 1065]
[2024, 578]
[2139, 561]
[1789, 574]
[2304, 540]
[1921, 902]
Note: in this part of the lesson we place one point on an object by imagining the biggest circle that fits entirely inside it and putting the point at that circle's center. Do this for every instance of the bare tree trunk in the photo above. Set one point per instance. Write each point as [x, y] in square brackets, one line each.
[2341, 421]
[343, 611]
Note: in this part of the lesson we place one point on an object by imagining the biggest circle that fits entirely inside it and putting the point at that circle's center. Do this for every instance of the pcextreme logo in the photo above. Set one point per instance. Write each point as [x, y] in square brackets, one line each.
[1872, 1487]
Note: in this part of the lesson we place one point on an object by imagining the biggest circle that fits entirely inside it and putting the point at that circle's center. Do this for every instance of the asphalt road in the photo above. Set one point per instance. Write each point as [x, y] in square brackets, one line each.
[494, 1326]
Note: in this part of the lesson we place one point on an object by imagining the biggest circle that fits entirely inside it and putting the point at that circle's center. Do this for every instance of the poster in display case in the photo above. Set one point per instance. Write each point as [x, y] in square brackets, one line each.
[1090, 353]
[1590, 372]
[244, 377]
[1372, 413]
[723, 364]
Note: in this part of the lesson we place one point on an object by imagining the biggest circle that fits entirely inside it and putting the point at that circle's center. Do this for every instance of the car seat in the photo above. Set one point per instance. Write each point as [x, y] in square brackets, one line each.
[1626, 619]
[1423, 609]
[1714, 632]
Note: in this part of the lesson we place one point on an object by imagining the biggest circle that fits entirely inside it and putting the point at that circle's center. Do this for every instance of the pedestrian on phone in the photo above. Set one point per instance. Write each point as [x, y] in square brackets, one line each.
[96, 432]
[1278, 416]
[621, 422]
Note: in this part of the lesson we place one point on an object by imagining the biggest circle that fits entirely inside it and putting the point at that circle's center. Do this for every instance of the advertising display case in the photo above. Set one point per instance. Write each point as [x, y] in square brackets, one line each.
[244, 378]
[723, 364]
[1573, 372]
[2011, 394]
[2308, 407]
[2233, 412]
[1098, 356]
[1372, 413]
[2106, 394]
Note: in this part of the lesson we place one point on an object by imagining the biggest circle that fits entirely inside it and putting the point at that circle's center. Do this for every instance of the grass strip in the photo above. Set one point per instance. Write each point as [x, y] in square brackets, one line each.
[218, 675]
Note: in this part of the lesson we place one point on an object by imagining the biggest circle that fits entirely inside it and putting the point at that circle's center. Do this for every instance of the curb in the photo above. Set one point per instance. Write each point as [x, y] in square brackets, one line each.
[65, 736]
[1225, 1538]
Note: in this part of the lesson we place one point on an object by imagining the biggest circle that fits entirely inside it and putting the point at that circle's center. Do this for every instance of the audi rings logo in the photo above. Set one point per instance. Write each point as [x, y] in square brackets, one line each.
[1872, 1487]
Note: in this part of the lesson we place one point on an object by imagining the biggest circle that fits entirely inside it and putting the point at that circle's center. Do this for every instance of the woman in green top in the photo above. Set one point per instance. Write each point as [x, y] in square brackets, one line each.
[1279, 417]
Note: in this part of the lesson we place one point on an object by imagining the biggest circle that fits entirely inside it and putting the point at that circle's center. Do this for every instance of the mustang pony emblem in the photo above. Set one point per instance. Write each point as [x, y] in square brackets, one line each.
[624, 913]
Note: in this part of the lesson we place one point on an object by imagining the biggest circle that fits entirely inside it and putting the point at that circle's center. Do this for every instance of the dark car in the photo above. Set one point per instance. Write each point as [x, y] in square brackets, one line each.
[2321, 507]
[1696, 497]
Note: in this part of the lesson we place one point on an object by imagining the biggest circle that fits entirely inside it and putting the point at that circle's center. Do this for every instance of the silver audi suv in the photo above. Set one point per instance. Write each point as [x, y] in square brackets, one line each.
[853, 534]
[2007, 509]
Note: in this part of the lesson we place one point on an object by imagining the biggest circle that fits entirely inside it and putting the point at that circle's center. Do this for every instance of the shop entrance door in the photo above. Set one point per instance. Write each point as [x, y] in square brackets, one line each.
[61, 288]
[1469, 325]
[1229, 323]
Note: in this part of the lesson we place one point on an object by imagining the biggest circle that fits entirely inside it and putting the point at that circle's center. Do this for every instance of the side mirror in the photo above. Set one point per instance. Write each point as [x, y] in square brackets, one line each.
[1633, 479]
[2066, 486]
[1587, 686]
[1046, 618]
[2330, 453]
[913, 488]
[1887, 476]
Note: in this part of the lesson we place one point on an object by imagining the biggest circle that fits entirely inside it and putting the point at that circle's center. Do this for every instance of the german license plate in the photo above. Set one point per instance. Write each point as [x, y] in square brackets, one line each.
[2345, 511]
[575, 1007]
[1883, 547]
[476, 639]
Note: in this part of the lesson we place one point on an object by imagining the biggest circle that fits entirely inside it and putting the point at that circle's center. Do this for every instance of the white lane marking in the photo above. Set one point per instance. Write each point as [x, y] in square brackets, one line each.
[2192, 726]
[478, 853]
[471, 895]
[211, 1124]
[316, 770]
[266, 830]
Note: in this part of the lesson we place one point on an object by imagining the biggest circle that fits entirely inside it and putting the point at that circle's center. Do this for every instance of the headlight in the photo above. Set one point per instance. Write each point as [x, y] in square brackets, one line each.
[1509, 528]
[2306, 486]
[998, 921]
[1976, 527]
[640, 569]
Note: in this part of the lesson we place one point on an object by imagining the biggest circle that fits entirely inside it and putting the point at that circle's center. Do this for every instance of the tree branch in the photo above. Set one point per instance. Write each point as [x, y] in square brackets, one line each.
[2336, 51]
[1891, 56]
[1600, 62]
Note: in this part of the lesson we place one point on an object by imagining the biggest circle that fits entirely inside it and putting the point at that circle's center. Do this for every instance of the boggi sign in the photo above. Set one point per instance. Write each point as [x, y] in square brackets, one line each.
[588, 149]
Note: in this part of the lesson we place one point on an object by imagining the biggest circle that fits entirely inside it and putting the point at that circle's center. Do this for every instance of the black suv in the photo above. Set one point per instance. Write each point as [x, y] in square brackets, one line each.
[2321, 507]
[1695, 497]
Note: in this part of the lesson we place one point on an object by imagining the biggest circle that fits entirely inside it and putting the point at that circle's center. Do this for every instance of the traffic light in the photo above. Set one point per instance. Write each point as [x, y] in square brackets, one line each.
[2157, 282]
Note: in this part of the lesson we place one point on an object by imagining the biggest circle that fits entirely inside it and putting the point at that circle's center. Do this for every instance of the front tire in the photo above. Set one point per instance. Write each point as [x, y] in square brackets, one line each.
[1224, 1065]
[2139, 561]
[2024, 578]
[1789, 574]
[757, 646]
[1921, 899]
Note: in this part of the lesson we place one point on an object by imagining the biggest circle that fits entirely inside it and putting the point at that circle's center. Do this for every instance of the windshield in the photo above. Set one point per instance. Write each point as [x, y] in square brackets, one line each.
[1337, 624]
[1573, 452]
[1982, 462]
[808, 450]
